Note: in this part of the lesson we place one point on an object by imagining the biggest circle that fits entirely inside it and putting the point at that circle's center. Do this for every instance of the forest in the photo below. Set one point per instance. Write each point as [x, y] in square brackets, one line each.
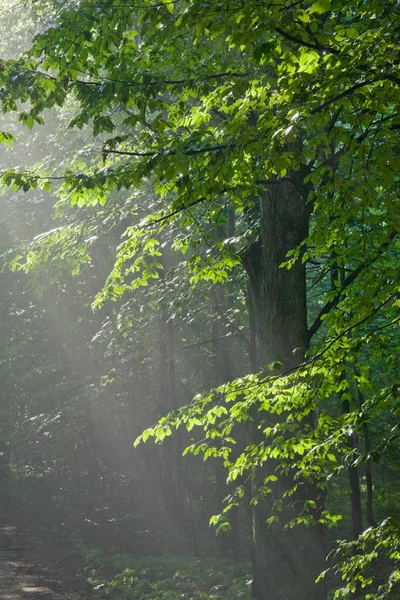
[200, 297]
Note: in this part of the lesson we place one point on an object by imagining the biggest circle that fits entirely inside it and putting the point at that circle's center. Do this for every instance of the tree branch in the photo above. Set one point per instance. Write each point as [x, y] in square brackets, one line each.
[347, 282]
[204, 342]
[343, 94]
[188, 152]
[155, 82]
[301, 42]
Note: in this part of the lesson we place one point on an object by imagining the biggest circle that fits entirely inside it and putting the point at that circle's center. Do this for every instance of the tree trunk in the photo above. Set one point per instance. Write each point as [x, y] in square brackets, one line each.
[252, 330]
[354, 484]
[286, 562]
[368, 466]
[337, 276]
[5, 457]
[174, 500]
[222, 348]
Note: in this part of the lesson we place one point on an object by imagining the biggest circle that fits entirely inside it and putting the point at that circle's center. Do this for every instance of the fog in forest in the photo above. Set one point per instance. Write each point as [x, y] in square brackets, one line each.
[199, 301]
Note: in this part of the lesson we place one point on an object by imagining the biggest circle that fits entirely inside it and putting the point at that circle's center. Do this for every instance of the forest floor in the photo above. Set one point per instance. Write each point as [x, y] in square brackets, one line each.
[29, 568]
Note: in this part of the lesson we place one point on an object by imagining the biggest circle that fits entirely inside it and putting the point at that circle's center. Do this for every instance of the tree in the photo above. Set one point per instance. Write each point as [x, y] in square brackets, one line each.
[286, 113]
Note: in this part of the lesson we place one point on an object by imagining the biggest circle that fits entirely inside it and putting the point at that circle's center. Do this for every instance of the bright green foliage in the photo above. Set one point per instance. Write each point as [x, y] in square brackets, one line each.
[208, 105]
[372, 560]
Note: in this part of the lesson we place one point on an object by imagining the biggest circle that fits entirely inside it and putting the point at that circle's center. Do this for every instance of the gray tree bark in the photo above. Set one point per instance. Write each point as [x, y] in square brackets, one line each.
[286, 562]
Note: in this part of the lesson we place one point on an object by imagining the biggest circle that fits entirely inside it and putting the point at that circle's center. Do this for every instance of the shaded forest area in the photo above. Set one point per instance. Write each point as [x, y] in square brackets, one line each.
[199, 308]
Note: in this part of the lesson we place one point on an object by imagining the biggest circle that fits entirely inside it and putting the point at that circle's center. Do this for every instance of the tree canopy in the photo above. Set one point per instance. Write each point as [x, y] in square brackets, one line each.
[245, 153]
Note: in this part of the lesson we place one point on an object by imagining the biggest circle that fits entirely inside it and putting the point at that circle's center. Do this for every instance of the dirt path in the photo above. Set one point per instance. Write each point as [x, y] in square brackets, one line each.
[21, 578]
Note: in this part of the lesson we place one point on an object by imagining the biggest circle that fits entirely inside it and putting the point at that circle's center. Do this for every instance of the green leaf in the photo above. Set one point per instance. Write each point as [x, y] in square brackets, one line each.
[320, 7]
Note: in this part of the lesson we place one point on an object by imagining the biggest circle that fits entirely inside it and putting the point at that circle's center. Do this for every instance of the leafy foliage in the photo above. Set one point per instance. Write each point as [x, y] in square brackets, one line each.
[199, 110]
[169, 578]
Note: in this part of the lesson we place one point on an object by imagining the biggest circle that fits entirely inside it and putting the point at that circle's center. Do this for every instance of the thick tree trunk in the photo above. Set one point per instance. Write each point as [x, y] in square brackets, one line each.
[286, 562]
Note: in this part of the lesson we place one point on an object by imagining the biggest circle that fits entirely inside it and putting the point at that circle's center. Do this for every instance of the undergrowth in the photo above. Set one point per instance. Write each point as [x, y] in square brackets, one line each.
[165, 577]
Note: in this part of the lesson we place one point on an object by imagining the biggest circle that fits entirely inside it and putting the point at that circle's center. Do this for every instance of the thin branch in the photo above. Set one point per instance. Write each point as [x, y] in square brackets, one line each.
[332, 342]
[229, 321]
[176, 211]
[203, 343]
[188, 152]
[392, 78]
[168, 82]
[302, 42]
[312, 360]
[275, 181]
[344, 94]
[347, 282]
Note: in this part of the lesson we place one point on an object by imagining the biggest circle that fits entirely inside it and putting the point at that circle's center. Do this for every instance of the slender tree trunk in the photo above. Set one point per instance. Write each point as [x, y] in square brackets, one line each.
[252, 330]
[180, 475]
[222, 347]
[354, 484]
[368, 476]
[174, 484]
[368, 467]
[5, 456]
[286, 562]
[337, 277]
[173, 498]
[92, 460]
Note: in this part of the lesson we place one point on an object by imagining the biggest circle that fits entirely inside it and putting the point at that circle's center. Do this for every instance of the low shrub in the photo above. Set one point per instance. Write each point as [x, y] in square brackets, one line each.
[167, 578]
